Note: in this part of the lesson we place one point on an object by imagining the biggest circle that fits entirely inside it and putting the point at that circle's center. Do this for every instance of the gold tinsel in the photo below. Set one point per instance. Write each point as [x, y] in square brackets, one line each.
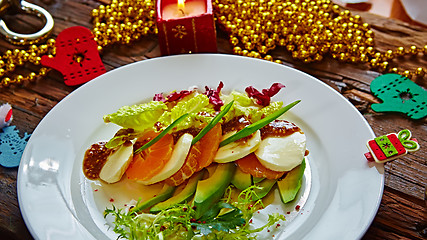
[309, 29]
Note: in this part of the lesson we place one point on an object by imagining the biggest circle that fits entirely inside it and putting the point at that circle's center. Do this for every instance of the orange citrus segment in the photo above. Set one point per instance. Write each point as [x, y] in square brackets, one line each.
[209, 146]
[149, 162]
[250, 164]
[200, 156]
[187, 169]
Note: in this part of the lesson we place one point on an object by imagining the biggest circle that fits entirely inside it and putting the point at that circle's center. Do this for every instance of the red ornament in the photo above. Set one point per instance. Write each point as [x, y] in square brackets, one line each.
[77, 56]
[189, 28]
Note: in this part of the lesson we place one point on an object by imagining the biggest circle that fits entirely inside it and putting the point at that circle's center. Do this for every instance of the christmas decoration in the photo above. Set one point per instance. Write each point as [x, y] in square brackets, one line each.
[391, 146]
[310, 30]
[186, 28]
[399, 94]
[11, 146]
[5, 115]
[77, 56]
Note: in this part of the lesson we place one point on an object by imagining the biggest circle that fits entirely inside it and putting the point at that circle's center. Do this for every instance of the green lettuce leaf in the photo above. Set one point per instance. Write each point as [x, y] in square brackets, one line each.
[265, 111]
[139, 117]
[243, 105]
[194, 106]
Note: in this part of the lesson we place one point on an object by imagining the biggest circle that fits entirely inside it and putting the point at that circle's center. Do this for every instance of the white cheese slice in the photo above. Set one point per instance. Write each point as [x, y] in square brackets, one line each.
[282, 153]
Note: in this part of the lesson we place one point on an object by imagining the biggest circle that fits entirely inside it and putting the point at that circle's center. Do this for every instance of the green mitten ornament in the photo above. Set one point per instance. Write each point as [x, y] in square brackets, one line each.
[399, 94]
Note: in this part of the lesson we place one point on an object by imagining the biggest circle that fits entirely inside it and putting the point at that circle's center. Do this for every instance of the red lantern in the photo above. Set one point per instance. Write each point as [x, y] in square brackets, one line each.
[186, 26]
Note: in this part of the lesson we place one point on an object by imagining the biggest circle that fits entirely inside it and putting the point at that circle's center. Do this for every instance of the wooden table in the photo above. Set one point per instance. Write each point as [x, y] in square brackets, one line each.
[402, 214]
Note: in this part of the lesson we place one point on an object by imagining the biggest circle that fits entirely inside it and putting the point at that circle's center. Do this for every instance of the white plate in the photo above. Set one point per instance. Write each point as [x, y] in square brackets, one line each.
[57, 203]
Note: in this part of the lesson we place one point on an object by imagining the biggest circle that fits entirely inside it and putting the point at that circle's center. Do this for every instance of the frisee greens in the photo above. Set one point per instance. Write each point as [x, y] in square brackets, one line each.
[227, 219]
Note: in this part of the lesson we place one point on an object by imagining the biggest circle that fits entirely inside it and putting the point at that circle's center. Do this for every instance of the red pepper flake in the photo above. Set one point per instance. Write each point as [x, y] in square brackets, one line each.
[268, 230]
[278, 225]
[213, 96]
[111, 200]
[263, 98]
[273, 235]
[297, 207]
[96, 190]
[250, 221]
[288, 213]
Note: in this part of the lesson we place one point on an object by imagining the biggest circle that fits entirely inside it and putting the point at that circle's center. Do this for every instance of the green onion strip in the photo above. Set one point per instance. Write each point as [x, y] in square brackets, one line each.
[163, 133]
[257, 125]
[212, 123]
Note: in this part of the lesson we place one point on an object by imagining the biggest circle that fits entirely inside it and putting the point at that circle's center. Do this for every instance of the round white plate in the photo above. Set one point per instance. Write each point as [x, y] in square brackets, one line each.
[56, 200]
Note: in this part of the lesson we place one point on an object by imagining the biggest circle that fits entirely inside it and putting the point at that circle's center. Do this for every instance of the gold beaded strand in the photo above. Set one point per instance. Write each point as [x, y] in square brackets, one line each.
[308, 29]
[123, 22]
[13, 59]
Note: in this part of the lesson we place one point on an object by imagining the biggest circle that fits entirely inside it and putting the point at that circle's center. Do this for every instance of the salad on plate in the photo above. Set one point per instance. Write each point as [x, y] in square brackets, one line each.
[207, 161]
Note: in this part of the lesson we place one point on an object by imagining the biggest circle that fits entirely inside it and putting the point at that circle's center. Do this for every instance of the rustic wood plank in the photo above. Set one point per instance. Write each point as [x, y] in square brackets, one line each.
[402, 214]
[399, 217]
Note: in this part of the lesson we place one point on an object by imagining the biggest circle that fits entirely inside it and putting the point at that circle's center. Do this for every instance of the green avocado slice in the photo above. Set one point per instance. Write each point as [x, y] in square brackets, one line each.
[210, 190]
[257, 179]
[185, 194]
[241, 180]
[166, 192]
[290, 185]
[266, 185]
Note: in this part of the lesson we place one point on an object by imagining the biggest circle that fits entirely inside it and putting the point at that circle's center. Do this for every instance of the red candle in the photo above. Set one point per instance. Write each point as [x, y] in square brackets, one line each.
[186, 26]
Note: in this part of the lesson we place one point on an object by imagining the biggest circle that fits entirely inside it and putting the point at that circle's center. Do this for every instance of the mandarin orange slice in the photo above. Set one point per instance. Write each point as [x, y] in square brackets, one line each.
[200, 156]
[188, 169]
[250, 164]
[149, 162]
[209, 146]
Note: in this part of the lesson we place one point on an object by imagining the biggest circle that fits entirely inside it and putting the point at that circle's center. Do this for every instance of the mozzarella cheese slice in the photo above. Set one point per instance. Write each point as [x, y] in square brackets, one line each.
[236, 150]
[179, 154]
[282, 153]
[117, 163]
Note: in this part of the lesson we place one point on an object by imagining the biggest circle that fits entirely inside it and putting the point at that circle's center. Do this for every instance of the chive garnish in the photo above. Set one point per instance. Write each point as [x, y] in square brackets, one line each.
[163, 133]
[212, 123]
[257, 125]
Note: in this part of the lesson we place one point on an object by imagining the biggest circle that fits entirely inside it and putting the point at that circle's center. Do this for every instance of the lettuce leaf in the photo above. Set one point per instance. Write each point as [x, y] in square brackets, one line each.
[243, 105]
[194, 106]
[265, 111]
[139, 117]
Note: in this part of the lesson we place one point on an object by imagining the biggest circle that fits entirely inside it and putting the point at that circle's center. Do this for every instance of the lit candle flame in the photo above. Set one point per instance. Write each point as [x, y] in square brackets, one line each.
[181, 6]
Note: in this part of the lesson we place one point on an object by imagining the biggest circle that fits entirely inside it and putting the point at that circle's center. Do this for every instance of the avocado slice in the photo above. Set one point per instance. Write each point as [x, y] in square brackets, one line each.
[166, 192]
[266, 185]
[257, 179]
[241, 180]
[185, 194]
[290, 185]
[210, 190]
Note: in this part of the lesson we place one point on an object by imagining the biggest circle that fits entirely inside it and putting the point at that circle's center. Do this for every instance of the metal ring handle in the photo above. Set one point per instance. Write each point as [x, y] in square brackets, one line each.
[23, 39]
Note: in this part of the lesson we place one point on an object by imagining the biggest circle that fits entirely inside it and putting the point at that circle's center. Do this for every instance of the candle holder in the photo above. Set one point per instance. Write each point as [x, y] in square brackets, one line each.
[187, 28]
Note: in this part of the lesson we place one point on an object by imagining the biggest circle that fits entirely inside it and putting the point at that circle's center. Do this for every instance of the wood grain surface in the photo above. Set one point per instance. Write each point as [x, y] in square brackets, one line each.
[402, 213]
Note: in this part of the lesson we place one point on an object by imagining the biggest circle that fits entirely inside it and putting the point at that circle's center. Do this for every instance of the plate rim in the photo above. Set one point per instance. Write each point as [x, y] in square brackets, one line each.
[96, 81]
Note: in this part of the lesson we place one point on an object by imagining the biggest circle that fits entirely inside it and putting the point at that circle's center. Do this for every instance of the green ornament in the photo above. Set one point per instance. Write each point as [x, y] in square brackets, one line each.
[399, 94]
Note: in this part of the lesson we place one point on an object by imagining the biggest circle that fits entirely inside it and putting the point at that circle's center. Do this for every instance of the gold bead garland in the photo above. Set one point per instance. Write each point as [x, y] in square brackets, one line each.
[13, 59]
[123, 21]
[309, 29]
